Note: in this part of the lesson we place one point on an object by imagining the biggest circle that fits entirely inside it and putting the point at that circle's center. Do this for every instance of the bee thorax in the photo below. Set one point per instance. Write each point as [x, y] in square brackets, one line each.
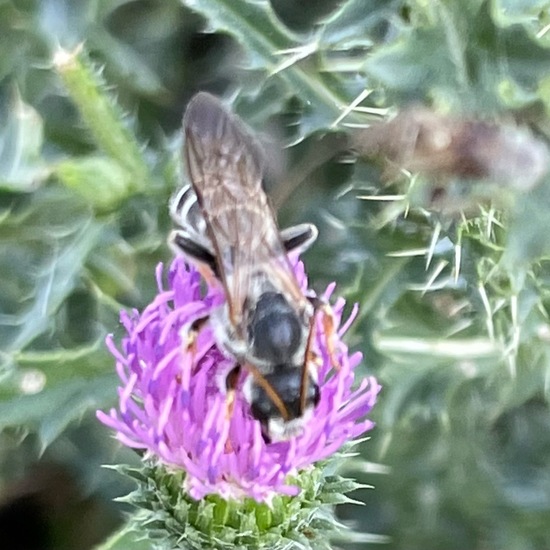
[275, 329]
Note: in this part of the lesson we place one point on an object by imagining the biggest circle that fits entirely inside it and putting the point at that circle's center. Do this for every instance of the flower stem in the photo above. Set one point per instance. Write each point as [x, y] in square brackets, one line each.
[100, 113]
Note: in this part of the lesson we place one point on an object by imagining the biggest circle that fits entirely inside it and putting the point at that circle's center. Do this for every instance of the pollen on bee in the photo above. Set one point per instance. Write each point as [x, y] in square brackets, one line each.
[228, 447]
[315, 359]
[191, 339]
[229, 404]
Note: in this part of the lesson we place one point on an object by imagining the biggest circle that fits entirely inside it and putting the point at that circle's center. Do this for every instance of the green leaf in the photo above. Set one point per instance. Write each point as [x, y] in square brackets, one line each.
[126, 537]
[44, 242]
[61, 364]
[53, 409]
[102, 182]
[126, 64]
[253, 24]
[453, 59]
[21, 138]
[13, 38]
[101, 113]
[356, 24]
[529, 229]
[510, 12]
[283, 56]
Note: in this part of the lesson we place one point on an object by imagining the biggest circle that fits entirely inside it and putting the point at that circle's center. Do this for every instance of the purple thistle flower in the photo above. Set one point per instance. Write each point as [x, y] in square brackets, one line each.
[171, 404]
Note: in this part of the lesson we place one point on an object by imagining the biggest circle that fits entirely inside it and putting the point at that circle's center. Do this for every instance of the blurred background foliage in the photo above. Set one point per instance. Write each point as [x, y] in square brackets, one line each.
[452, 279]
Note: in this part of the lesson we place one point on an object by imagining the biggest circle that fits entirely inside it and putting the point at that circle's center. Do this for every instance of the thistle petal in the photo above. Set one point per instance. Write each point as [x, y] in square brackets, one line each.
[171, 404]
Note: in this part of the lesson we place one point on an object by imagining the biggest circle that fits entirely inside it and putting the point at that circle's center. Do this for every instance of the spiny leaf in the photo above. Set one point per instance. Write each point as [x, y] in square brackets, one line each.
[510, 12]
[21, 138]
[529, 229]
[101, 181]
[281, 55]
[253, 24]
[45, 242]
[126, 537]
[356, 25]
[101, 114]
[50, 411]
[458, 62]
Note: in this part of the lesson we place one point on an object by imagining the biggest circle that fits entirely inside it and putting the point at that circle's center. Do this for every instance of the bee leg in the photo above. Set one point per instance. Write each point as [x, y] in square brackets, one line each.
[299, 238]
[231, 387]
[199, 255]
[265, 436]
[193, 334]
[330, 334]
[329, 330]
[207, 274]
[308, 358]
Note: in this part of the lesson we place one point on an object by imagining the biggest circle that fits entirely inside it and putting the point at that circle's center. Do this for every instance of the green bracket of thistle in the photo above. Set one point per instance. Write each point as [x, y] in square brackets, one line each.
[172, 519]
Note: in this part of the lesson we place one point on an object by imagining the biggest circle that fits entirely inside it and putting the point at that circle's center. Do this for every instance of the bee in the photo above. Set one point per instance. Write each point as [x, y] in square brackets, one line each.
[441, 147]
[227, 227]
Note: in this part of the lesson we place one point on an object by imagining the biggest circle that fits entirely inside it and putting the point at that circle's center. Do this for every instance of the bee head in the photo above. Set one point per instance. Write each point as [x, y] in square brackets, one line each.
[286, 382]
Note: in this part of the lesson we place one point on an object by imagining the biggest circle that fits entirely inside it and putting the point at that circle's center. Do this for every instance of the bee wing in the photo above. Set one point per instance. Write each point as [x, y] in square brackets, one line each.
[225, 165]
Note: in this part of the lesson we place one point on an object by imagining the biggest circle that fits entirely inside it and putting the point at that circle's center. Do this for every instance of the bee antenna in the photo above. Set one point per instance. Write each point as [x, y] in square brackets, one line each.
[268, 388]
